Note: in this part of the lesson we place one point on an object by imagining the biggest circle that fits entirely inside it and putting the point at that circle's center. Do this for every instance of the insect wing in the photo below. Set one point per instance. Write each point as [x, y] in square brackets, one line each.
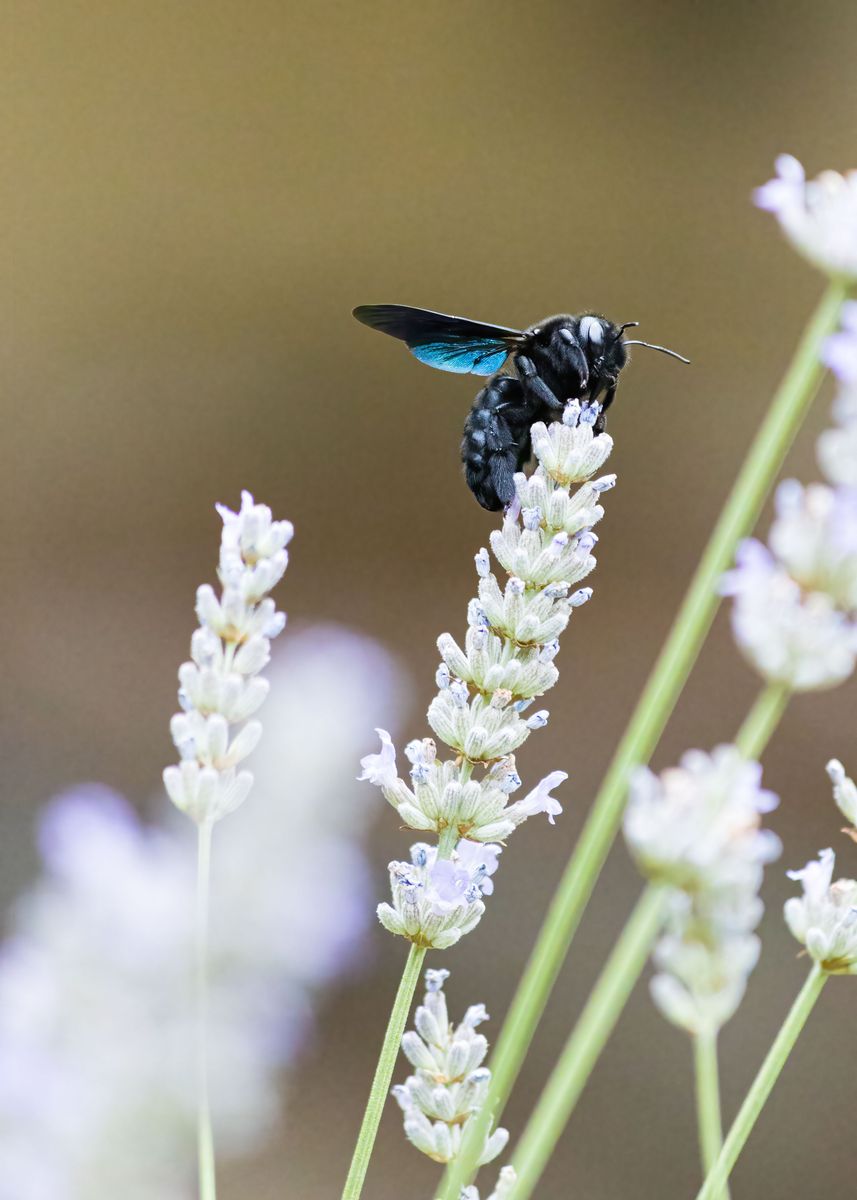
[442, 341]
[469, 358]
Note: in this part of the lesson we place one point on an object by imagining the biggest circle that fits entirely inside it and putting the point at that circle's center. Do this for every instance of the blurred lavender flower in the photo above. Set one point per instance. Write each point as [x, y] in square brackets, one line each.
[221, 686]
[449, 1083]
[795, 610]
[814, 536]
[485, 688]
[840, 349]
[818, 216]
[97, 1096]
[696, 828]
[837, 447]
[789, 636]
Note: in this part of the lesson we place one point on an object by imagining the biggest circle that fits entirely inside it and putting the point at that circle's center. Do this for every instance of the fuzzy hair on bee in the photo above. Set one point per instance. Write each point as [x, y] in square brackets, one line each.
[534, 372]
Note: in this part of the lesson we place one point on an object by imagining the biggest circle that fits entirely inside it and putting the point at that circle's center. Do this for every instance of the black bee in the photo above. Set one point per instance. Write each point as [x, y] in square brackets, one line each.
[534, 372]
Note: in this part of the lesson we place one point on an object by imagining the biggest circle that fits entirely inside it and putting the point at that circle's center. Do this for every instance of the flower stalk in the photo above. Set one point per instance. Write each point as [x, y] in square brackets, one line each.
[220, 691]
[383, 1073]
[205, 1136]
[709, 1120]
[762, 719]
[763, 1084]
[664, 686]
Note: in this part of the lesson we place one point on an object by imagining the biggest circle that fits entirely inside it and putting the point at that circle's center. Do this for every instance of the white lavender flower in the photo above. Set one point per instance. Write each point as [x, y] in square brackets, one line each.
[97, 1097]
[437, 798]
[702, 975]
[845, 794]
[696, 826]
[814, 536]
[840, 349]
[436, 901]
[818, 216]
[449, 1083]
[824, 918]
[837, 447]
[696, 829]
[220, 687]
[503, 1190]
[790, 636]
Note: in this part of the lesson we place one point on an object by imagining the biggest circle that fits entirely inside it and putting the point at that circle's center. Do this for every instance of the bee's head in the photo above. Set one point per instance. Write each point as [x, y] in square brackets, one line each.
[601, 342]
[590, 346]
[606, 349]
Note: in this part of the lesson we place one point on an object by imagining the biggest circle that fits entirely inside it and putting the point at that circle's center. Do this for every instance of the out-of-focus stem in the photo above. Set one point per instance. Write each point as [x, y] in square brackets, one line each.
[709, 1120]
[587, 1040]
[205, 1138]
[762, 719]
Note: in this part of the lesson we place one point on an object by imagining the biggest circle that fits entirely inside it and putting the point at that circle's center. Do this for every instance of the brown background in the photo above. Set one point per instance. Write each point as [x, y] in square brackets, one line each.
[197, 194]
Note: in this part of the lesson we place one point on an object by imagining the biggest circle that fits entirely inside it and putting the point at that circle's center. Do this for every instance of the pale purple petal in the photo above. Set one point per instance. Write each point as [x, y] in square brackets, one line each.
[380, 768]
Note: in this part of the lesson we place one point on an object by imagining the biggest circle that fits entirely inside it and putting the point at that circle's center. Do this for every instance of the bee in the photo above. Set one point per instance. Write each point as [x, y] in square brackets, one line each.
[533, 373]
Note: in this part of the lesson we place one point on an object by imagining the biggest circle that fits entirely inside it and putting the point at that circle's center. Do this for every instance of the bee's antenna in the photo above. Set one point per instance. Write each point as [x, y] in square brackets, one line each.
[618, 334]
[663, 350]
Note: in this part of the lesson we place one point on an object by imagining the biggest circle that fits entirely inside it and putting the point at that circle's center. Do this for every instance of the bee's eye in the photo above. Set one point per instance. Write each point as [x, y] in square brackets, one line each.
[592, 331]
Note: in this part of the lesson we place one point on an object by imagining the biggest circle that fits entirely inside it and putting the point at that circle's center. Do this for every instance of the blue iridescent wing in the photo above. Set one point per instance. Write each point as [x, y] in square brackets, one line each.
[439, 340]
[469, 358]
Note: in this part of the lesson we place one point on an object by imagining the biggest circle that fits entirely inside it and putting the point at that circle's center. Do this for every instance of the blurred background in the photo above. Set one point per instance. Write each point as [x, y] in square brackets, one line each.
[196, 196]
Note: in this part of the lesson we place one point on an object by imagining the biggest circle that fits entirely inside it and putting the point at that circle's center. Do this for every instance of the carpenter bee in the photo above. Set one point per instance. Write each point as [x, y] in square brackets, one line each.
[534, 372]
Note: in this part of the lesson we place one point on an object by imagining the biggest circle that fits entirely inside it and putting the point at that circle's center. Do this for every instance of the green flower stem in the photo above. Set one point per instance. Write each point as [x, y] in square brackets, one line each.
[763, 1084]
[447, 841]
[654, 708]
[762, 720]
[383, 1074]
[587, 1040]
[205, 1138]
[708, 1102]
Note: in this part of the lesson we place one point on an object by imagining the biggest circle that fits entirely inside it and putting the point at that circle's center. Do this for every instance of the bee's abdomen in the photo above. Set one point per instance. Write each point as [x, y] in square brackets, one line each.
[496, 441]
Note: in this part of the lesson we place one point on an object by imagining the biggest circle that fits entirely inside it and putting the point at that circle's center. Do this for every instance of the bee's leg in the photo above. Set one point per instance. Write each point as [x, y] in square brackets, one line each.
[601, 423]
[489, 449]
[535, 387]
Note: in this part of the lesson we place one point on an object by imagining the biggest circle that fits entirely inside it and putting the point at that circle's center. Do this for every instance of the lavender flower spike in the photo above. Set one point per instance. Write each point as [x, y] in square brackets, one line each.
[449, 1083]
[220, 686]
